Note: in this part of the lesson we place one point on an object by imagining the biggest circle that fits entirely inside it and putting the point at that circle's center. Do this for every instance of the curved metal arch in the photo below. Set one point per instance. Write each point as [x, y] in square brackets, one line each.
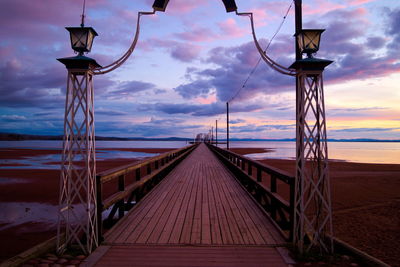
[230, 6]
[159, 5]
[264, 56]
[123, 58]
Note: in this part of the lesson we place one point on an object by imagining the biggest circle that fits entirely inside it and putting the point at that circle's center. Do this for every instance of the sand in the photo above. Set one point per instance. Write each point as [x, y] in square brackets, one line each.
[39, 186]
[365, 197]
[365, 203]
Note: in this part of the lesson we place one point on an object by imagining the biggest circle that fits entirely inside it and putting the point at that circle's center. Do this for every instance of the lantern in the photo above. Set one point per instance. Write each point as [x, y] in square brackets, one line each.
[308, 40]
[81, 38]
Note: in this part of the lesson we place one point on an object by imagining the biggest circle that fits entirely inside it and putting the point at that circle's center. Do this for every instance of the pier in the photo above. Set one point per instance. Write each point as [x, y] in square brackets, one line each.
[199, 214]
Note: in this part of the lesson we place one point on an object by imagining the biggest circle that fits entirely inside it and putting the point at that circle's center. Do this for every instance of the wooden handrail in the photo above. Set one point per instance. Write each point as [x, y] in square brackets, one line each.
[280, 174]
[162, 165]
[110, 174]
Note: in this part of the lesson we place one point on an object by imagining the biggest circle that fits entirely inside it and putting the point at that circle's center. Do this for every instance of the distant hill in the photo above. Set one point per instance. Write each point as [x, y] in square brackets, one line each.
[21, 137]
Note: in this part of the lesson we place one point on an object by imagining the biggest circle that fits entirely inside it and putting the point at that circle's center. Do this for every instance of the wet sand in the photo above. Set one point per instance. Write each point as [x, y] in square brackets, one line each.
[31, 186]
[366, 201]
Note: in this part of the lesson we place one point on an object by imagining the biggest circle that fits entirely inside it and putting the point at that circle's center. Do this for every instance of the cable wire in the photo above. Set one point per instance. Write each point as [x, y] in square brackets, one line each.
[265, 50]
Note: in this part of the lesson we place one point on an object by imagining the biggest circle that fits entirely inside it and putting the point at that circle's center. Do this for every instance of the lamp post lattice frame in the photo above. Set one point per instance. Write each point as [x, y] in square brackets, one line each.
[312, 226]
[77, 202]
[312, 212]
[78, 221]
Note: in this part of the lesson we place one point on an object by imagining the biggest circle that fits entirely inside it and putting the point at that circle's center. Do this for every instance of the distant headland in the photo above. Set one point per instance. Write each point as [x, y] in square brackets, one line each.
[22, 137]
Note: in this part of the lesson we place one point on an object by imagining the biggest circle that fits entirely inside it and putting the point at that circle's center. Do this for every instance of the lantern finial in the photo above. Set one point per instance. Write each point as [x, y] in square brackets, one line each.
[83, 14]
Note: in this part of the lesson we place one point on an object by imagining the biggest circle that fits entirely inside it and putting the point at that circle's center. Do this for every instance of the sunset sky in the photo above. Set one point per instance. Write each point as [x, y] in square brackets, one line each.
[193, 58]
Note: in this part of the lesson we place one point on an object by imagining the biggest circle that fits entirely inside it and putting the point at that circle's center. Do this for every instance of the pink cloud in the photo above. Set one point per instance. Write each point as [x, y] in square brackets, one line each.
[197, 35]
[207, 99]
[230, 28]
[183, 6]
[323, 6]
[320, 7]
[185, 52]
[359, 2]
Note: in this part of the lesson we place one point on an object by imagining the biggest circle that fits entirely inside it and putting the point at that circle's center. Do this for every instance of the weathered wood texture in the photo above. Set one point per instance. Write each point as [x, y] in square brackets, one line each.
[280, 210]
[199, 202]
[179, 256]
[198, 215]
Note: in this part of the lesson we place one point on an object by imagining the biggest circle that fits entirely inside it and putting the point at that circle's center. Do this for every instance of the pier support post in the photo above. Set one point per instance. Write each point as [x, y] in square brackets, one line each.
[77, 203]
[312, 204]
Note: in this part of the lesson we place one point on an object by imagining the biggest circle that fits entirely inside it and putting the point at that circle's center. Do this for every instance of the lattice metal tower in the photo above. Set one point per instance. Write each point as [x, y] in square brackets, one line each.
[313, 214]
[78, 167]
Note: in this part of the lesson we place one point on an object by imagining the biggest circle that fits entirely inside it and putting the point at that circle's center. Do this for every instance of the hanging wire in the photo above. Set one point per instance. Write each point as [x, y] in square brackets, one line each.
[265, 50]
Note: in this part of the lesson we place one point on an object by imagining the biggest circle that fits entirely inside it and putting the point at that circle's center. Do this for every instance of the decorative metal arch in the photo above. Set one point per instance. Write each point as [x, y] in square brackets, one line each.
[78, 186]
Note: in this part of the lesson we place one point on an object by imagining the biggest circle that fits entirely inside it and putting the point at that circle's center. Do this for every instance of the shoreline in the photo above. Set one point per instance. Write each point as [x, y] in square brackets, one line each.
[366, 202]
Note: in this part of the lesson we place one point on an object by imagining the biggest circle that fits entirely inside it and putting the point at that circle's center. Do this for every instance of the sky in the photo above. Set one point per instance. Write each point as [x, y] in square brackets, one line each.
[192, 59]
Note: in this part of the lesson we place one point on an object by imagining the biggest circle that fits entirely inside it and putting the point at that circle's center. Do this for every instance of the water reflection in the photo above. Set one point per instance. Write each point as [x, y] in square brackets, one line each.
[362, 152]
[52, 161]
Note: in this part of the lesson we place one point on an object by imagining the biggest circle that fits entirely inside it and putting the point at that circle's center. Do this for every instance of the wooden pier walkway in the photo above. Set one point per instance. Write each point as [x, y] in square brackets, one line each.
[199, 215]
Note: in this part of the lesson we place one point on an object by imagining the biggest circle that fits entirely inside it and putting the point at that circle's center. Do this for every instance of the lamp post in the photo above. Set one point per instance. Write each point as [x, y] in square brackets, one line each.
[78, 217]
[227, 125]
[312, 226]
[216, 132]
[77, 202]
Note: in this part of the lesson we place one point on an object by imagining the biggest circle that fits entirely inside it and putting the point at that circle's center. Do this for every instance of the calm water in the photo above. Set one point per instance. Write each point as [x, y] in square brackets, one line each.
[363, 152]
[16, 213]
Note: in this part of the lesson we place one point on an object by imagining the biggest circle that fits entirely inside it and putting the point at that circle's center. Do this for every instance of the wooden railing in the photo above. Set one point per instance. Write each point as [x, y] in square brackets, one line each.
[254, 176]
[143, 176]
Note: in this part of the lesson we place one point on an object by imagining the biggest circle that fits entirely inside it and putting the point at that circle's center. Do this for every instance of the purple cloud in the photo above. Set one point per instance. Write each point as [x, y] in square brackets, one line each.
[394, 29]
[234, 65]
[376, 42]
[213, 109]
[197, 34]
[109, 112]
[236, 121]
[194, 89]
[366, 130]
[12, 118]
[20, 86]
[252, 128]
[355, 59]
[185, 52]
[129, 88]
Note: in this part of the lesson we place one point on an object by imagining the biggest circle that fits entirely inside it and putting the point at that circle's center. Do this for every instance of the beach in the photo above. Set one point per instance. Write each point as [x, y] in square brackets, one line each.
[365, 199]
[365, 203]
[31, 191]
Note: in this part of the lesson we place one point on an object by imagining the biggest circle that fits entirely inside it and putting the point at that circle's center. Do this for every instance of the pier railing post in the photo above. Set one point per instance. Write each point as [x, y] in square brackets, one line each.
[137, 174]
[250, 169]
[273, 202]
[99, 193]
[121, 204]
[259, 175]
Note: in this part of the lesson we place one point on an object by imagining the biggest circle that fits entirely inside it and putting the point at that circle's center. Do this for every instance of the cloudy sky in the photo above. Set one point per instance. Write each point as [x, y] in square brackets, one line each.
[193, 58]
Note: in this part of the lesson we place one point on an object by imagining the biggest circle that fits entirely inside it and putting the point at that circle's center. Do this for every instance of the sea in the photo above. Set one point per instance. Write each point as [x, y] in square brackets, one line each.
[16, 213]
[359, 152]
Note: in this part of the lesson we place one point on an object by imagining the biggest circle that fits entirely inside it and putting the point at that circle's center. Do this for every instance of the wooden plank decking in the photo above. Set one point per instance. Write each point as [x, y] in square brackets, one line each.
[199, 215]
